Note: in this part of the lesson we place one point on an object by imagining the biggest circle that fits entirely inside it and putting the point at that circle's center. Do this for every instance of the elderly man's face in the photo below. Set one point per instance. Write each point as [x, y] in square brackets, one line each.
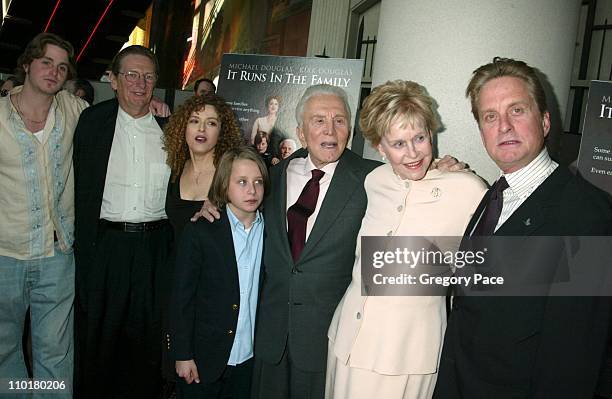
[325, 128]
[134, 90]
[511, 125]
[286, 149]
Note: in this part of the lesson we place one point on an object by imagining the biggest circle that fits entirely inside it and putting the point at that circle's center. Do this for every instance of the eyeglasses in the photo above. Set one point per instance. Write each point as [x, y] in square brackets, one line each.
[4, 92]
[133, 76]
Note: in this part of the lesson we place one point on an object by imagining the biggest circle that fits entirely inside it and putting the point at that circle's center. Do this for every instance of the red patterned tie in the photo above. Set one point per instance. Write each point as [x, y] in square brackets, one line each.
[298, 214]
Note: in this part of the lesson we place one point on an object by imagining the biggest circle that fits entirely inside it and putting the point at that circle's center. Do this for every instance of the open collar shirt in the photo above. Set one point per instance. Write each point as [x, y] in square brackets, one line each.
[248, 246]
[36, 179]
[137, 173]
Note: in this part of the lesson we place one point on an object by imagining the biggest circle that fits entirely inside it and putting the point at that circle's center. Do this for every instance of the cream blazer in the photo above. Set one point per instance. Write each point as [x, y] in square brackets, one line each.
[396, 335]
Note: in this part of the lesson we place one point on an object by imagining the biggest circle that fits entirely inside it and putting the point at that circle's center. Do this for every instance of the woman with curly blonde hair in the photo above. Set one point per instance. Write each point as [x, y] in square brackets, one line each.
[195, 138]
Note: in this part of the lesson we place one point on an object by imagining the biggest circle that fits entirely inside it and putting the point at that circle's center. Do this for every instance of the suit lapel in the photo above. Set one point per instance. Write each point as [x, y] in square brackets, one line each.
[476, 216]
[279, 205]
[226, 241]
[341, 188]
[103, 142]
[536, 210]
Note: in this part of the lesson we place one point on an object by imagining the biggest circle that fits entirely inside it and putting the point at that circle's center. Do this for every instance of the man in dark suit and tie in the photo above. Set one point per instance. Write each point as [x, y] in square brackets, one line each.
[525, 347]
[318, 201]
[122, 235]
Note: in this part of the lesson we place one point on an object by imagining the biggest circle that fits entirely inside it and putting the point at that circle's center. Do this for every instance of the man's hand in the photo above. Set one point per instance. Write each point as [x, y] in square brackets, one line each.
[159, 108]
[208, 212]
[450, 164]
[187, 369]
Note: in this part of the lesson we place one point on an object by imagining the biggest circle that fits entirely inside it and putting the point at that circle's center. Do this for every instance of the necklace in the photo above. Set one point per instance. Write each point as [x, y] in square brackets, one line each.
[197, 177]
[17, 104]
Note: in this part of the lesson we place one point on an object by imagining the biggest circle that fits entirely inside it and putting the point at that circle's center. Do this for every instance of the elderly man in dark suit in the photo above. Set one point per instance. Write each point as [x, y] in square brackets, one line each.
[122, 235]
[309, 249]
[525, 347]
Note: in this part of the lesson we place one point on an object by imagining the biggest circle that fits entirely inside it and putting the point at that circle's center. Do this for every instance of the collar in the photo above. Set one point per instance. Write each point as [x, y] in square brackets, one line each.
[524, 178]
[51, 115]
[328, 169]
[406, 183]
[235, 223]
[126, 118]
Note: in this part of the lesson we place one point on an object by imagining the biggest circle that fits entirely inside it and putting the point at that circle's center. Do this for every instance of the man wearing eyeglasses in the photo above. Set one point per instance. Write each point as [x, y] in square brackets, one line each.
[122, 235]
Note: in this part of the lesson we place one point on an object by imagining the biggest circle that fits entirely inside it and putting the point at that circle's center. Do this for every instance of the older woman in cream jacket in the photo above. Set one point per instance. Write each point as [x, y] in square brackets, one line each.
[389, 346]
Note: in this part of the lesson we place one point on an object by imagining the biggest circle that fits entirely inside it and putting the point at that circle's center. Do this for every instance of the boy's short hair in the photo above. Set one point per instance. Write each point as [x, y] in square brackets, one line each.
[220, 184]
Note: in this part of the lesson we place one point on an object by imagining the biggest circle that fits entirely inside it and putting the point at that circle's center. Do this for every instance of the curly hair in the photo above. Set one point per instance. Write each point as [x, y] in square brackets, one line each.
[174, 141]
[273, 97]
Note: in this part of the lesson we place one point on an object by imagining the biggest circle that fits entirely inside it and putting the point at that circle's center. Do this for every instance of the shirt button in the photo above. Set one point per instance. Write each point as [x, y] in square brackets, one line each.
[406, 184]
[230, 332]
[235, 307]
[400, 208]
[358, 315]
[389, 232]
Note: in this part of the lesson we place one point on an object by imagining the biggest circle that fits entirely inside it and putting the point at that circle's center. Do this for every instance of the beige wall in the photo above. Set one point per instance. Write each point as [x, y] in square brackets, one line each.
[439, 43]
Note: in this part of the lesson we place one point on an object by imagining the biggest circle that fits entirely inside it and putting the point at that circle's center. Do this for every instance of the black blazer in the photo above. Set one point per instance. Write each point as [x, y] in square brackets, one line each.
[532, 347]
[206, 296]
[93, 139]
[298, 299]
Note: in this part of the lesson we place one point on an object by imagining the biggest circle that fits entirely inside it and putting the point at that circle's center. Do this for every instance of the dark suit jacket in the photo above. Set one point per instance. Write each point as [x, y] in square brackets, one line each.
[93, 139]
[532, 347]
[206, 296]
[298, 300]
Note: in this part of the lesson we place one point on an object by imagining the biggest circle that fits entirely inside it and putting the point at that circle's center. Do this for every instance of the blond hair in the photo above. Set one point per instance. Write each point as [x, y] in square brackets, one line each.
[398, 100]
[220, 184]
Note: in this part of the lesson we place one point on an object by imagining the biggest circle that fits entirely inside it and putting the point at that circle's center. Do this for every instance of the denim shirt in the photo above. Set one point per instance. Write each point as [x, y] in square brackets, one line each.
[36, 180]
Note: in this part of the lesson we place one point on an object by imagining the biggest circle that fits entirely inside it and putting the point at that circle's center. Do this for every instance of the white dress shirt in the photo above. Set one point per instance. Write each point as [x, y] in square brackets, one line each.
[298, 174]
[523, 182]
[137, 174]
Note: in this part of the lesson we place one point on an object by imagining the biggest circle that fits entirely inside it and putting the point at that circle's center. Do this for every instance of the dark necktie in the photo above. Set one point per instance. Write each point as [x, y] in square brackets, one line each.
[488, 221]
[298, 213]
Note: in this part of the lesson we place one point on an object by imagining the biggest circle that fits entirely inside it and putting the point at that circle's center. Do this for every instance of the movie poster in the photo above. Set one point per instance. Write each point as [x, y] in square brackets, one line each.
[264, 90]
[595, 157]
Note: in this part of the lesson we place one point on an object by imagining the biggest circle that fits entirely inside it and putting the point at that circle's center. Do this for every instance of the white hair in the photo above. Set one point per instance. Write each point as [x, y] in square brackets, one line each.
[290, 140]
[317, 90]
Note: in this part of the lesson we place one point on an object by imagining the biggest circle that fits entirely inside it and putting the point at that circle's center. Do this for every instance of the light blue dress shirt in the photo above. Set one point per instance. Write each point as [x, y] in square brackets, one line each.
[248, 246]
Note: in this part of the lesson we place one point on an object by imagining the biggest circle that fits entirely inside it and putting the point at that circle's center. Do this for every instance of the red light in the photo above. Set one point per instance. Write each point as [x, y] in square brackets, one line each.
[52, 15]
[93, 32]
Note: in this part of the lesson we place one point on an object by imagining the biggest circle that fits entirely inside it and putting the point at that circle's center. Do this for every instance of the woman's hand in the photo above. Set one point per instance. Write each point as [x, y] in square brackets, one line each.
[208, 212]
[450, 164]
[187, 370]
[159, 108]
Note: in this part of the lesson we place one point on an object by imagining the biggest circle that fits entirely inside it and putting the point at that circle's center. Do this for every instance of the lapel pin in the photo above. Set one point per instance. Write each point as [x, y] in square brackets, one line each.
[527, 222]
[435, 192]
